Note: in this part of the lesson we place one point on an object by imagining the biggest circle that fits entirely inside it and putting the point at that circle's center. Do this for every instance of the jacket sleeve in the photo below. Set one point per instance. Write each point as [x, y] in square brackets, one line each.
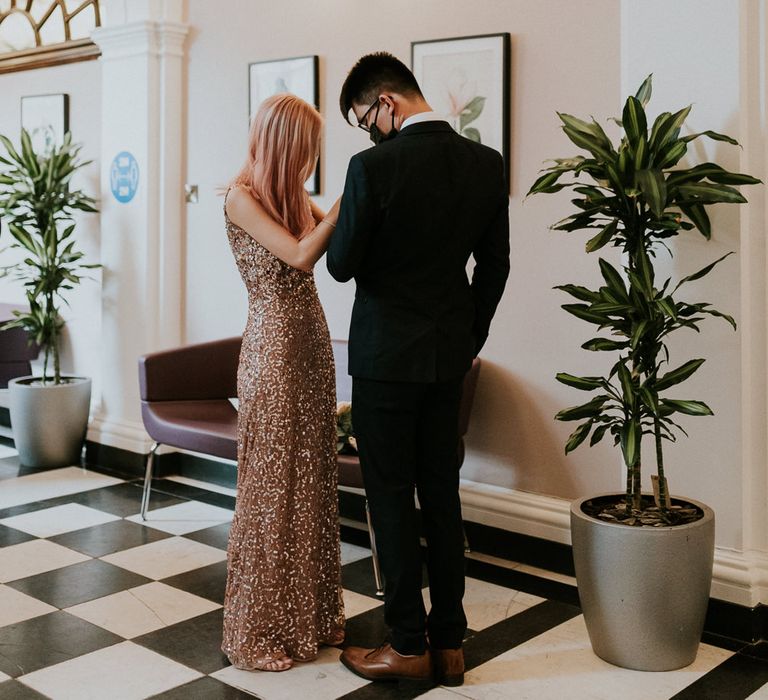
[491, 254]
[358, 219]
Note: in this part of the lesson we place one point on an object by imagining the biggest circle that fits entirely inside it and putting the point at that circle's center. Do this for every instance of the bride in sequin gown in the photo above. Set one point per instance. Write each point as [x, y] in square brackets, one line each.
[283, 594]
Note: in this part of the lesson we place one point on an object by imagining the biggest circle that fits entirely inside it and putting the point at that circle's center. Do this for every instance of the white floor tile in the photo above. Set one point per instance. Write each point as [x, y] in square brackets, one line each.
[209, 486]
[35, 557]
[6, 451]
[560, 664]
[142, 609]
[184, 517]
[16, 606]
[356, 603]
[322, 679]
[51, 483]
[55, 521]
[351, 552]
[486, 603]
[167, 557]
[123, 671]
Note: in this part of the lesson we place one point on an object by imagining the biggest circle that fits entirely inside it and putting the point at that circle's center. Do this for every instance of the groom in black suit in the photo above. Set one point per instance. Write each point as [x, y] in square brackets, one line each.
[414, 209]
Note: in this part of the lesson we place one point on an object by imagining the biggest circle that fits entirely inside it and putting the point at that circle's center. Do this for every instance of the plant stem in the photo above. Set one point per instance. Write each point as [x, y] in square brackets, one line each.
[660, 465]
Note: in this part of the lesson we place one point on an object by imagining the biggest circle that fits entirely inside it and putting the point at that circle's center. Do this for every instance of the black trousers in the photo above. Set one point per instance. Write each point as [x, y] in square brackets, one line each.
[407, 438]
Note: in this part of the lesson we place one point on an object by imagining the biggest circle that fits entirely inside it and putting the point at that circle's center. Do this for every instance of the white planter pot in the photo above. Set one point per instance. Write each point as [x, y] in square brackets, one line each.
[49, 422]
[644, 590]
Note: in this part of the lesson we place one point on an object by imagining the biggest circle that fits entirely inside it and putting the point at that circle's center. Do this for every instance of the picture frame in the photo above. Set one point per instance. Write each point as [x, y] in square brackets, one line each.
[46, 118]
[299, 76]
[466, 80]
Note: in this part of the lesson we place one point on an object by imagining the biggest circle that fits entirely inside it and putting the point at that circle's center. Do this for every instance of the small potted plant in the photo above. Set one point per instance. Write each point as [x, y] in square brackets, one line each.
[49, 413]
[632, 551]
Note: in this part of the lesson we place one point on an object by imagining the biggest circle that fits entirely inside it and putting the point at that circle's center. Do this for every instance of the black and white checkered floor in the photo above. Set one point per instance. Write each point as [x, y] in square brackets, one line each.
[94, 603]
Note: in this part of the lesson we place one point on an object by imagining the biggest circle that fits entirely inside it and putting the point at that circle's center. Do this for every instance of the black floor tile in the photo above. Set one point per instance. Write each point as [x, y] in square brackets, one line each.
[13, 690]
[202, 689]
[195, 642]
[367, 629]
[207, 581]
[47, 640]
[357, 576]
[176, 488]
[115, 536]
[78, 583]
[9, 536]
[735, 679]
[122, 499]
[216, 536]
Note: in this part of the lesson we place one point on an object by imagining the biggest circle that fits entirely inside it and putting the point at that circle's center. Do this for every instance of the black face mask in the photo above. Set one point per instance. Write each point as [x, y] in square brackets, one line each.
[376, 136]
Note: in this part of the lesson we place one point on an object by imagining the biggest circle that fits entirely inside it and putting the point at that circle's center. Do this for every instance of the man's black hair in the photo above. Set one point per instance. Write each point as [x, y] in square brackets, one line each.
[373, 74]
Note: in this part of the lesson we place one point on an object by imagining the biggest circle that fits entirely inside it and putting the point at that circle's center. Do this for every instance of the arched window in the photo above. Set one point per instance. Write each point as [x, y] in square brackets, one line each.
[37, 33]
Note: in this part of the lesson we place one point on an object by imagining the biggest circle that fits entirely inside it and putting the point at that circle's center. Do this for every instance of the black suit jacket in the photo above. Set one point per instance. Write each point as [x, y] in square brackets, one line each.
[413, 211]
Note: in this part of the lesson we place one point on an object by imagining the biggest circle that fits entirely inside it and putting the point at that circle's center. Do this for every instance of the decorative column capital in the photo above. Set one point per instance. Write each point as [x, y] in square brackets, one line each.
[141, 38]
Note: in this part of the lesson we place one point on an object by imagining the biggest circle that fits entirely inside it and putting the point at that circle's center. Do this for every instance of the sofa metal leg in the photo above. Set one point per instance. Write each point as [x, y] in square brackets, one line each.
[375, 553]
[148, 480]
[467, 550]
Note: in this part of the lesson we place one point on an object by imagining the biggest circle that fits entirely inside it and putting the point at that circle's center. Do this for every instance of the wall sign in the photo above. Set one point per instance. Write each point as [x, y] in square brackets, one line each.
[124, 177]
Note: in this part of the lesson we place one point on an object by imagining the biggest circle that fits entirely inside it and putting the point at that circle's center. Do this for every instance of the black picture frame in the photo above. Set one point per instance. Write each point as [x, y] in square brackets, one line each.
[437, 66]
[46, 118]
[299, 75]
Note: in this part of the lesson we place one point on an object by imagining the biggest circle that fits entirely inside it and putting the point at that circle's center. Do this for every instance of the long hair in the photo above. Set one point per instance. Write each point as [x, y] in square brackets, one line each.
[283, 146]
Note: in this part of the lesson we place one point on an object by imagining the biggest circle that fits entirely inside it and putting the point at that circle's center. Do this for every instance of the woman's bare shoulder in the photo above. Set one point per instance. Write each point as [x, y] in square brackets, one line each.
[240, 200]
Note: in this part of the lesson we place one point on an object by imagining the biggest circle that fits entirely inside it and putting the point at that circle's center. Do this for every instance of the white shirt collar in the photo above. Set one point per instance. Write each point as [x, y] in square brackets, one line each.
[421, 117]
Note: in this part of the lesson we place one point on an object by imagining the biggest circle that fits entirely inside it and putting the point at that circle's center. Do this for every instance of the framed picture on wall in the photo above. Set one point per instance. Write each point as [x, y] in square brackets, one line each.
[466, 80]
[46, 118]
[298, 76]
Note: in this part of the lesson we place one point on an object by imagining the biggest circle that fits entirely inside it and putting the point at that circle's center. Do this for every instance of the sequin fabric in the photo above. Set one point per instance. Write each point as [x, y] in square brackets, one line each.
[283, 592]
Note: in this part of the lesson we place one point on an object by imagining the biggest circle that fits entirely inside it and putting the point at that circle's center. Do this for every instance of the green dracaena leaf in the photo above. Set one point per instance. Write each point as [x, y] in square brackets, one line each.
[654, 188]
[581, 383]
[678, 375]
[605, 236]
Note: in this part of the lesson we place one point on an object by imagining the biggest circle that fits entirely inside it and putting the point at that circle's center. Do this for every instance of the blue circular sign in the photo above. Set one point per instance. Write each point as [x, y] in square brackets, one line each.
[124, 177]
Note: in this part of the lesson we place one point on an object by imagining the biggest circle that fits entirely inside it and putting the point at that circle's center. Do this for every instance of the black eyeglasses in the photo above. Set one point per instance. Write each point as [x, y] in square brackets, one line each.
[361, 123]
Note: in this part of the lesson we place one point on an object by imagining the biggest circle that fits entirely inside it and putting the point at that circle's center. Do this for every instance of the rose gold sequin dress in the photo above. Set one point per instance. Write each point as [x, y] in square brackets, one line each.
[283, 593]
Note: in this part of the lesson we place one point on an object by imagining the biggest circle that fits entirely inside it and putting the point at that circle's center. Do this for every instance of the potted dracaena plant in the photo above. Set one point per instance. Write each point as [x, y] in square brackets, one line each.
[49, 413]
[635, 197]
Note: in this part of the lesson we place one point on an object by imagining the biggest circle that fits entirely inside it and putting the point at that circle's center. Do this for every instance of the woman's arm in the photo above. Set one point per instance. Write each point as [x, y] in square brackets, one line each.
[248, 214]
[317, 213]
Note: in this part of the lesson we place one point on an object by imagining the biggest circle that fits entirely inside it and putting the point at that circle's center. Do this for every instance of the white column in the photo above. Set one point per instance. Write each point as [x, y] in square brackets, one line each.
[754, 306]
[142, 45]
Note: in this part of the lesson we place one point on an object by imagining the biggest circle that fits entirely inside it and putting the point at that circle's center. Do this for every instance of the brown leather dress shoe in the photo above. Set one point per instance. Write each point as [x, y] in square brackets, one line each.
[449, 666]
[385, 664]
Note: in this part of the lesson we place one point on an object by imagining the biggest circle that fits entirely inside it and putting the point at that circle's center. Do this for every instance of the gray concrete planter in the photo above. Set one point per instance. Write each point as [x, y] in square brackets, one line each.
[644, 591]
[49, 422]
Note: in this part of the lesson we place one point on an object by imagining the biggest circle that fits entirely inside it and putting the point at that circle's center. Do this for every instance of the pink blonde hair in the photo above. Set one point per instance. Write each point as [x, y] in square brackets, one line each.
[283, 145]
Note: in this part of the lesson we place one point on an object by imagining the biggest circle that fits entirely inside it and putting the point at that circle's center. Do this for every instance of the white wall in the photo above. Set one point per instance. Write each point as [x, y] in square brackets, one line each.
[703, 71]
[82, 82]
[513, 441]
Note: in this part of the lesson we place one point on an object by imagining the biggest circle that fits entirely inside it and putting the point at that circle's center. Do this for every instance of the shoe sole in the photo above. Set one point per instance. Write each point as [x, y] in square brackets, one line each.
[408, 679]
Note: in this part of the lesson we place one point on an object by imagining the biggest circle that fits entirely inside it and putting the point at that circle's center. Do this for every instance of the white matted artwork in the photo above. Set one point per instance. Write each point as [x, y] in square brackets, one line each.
[466, 80]
[299, 76]
[46, 118]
